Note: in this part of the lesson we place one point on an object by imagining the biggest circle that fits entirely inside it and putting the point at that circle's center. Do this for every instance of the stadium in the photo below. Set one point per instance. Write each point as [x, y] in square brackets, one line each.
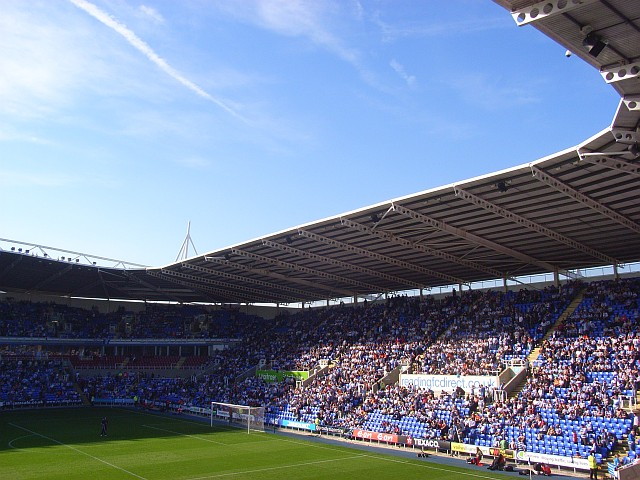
[492, 322]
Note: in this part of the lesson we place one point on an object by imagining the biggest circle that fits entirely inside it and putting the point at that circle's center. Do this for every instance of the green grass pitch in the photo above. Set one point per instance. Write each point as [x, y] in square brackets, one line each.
[65, 444]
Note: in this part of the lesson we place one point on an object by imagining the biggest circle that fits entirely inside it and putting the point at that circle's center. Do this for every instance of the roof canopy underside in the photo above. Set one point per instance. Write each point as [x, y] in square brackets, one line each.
[575, 209]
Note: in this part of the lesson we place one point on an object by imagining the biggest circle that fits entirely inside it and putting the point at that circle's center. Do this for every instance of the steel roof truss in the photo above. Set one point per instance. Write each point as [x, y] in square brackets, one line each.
[377, 256]
[606, 160]
[300, 294]
[584, 199]
[208, 290]
[533, 226]
[74, 293]
[50, 278]
[420, 247]
[11, 265]
[333, 261]
[152, 287]
[470, 237]
[279, 276]
[260, 294]
[310, 271]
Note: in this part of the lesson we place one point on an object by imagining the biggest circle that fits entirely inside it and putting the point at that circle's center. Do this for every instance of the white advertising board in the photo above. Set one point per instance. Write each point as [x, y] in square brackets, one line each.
[438, 383]
[574, 462]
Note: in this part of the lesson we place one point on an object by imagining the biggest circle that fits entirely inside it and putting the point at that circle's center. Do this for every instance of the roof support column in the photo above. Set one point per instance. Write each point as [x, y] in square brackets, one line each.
[556, 277]
[504, 284]
[616, 275]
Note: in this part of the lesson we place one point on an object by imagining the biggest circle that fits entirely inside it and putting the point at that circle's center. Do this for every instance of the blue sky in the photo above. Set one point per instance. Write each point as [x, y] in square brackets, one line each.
[121, 121]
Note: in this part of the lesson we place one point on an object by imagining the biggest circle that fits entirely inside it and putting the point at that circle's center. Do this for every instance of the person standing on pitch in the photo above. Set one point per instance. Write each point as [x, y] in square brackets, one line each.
[103, 427]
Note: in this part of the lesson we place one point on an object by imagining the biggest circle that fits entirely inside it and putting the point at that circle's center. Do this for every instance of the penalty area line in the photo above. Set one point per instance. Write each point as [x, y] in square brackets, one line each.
[78, 451]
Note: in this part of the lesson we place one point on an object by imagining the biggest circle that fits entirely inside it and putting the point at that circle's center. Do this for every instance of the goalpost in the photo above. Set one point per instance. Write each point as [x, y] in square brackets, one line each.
[241, 416]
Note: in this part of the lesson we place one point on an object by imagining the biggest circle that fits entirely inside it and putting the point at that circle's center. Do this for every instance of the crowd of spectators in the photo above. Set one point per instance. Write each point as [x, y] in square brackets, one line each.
[571, 404]
[31, 381]
[53, 320]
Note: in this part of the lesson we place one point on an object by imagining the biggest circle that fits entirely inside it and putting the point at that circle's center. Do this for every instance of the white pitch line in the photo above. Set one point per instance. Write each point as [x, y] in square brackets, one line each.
[279, 467]
[186, 435]
[422, 465]
[77, 450]
[10, 444]
[313, 444]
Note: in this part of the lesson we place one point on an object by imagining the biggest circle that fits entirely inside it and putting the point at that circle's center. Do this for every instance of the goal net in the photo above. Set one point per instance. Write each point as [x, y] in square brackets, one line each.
[241, 416]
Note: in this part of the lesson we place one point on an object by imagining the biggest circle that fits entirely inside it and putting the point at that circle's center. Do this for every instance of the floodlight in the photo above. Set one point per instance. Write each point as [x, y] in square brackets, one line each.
[594, 44]
[502, 186]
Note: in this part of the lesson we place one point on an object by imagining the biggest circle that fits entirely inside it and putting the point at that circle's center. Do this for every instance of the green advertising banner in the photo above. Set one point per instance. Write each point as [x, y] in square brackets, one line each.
[272, 376]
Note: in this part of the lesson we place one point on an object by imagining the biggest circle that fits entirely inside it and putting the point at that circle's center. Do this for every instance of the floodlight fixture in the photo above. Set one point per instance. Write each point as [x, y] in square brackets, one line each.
[594, 44]
[502, 186]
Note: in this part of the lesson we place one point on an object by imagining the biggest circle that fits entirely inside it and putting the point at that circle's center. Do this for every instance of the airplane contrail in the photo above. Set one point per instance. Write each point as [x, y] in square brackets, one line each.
[148, 52]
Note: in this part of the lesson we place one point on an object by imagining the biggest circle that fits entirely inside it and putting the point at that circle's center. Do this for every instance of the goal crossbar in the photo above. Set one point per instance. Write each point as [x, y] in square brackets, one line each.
[240, 416]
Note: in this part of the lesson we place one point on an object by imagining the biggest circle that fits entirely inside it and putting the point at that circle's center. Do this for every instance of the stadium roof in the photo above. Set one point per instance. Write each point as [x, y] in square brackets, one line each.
[575, 209]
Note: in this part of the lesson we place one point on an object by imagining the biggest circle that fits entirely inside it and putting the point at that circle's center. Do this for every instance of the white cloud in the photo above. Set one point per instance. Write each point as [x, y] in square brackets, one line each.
[399, 69]
[316, 21]
[38, 66]
[148, 52]
[152, 13]
[52, 61]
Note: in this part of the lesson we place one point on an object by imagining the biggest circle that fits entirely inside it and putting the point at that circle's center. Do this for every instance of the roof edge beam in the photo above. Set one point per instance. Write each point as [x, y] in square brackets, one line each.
[619, 73]
[546, 9]
[632, 102]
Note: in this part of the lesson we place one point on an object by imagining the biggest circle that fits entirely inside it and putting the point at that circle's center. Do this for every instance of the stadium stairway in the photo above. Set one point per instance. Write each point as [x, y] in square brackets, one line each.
[535, 353]
[85, 400]
[180, 362]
